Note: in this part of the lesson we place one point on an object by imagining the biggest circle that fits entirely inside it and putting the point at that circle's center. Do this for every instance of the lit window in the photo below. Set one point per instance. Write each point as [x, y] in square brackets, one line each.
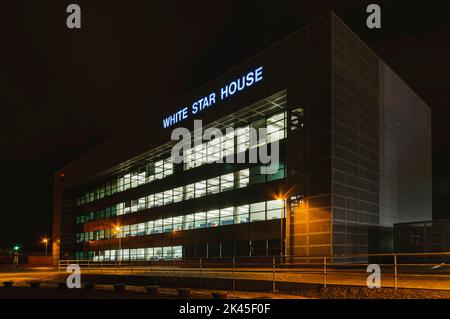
[257, 212]
[200, 189]
[242, 214]
[188, 222]
[226, 216]
[226, 182]
[274, 209]
[177, 223]
[214, 185]
[200, 220]
[167, 225]
[213, 218]
[243, 178]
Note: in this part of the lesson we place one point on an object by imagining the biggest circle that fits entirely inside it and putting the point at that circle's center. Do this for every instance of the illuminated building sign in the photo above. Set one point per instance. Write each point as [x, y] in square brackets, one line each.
[209, 100]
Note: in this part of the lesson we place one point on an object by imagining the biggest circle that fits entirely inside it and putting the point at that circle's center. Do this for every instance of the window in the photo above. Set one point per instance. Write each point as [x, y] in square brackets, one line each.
[140, 254]
[200, 189]
[168, 252]
[158, 253]
[126, 181]
[228, 144]
[157, 226]
[168, 197]
[120, 208]
[188, 159]
[151, 201]
[159, 199]
[213, 150]
[190, 191]
[133, 254]
[178, 194]
[200, 220]
[242, 139]
[148, 253]
[141, 203]
[150, 172]
[125, 231]
[168, 167]
[125, 254]
[243, 178]
[226, 182]
[274, 209]
[141, 229]
[297, 118]
[275, 127]
[134, 205]
[127, 207]
[188, 222]
[242, 214]
[280, 174]
[177, 223]
[257, 211]
[167, 225]
[214, 185]
[149, 228]
[213, 218]
[226, 216]
[200, 155]
[159, 169]
[177, 252]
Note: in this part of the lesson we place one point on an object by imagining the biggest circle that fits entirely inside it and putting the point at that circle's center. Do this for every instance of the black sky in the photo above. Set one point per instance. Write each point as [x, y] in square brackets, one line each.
[65, 91]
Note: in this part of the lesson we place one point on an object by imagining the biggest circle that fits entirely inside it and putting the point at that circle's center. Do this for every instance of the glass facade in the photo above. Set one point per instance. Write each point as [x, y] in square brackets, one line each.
[254, 212]
[210, 186]
[230, 143]
[147, 254]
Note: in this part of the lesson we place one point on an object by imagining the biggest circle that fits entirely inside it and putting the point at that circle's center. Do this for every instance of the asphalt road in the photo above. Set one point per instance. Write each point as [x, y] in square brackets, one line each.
[438, 280]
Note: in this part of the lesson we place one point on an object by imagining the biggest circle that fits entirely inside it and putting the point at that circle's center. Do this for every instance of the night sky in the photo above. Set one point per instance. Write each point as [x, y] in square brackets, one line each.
[63, 91]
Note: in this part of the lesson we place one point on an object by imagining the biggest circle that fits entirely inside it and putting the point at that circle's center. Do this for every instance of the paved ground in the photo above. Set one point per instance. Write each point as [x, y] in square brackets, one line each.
[431, 280]
[49, 277]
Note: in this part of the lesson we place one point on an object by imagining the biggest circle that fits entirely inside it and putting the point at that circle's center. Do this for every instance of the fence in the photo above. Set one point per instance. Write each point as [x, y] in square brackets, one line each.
[399, 270]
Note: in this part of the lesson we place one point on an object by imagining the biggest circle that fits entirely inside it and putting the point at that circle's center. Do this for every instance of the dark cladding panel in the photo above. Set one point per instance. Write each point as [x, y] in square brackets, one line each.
[355, 139]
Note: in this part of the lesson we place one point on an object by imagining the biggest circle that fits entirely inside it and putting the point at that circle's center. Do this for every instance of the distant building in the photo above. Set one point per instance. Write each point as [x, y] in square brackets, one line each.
[424, 236]
[355, 158]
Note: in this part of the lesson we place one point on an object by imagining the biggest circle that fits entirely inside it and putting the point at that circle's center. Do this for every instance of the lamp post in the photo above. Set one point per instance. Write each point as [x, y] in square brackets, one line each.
[16, 255]
[45, 242]
[282, 216]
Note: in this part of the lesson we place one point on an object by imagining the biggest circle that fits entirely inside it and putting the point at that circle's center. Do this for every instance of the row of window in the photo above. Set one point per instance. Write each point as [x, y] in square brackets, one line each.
[153, 253]
[234, 142]
[261, 211]
[199, 189]
[152, 171]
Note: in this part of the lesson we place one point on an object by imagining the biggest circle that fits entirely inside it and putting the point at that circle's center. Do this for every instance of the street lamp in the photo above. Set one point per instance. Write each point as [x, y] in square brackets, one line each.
[16, 249]
[282, 215]
[45, 242]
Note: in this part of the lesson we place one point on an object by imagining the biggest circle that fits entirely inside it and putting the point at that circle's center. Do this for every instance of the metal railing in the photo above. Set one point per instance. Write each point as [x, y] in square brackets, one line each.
[405, 270]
